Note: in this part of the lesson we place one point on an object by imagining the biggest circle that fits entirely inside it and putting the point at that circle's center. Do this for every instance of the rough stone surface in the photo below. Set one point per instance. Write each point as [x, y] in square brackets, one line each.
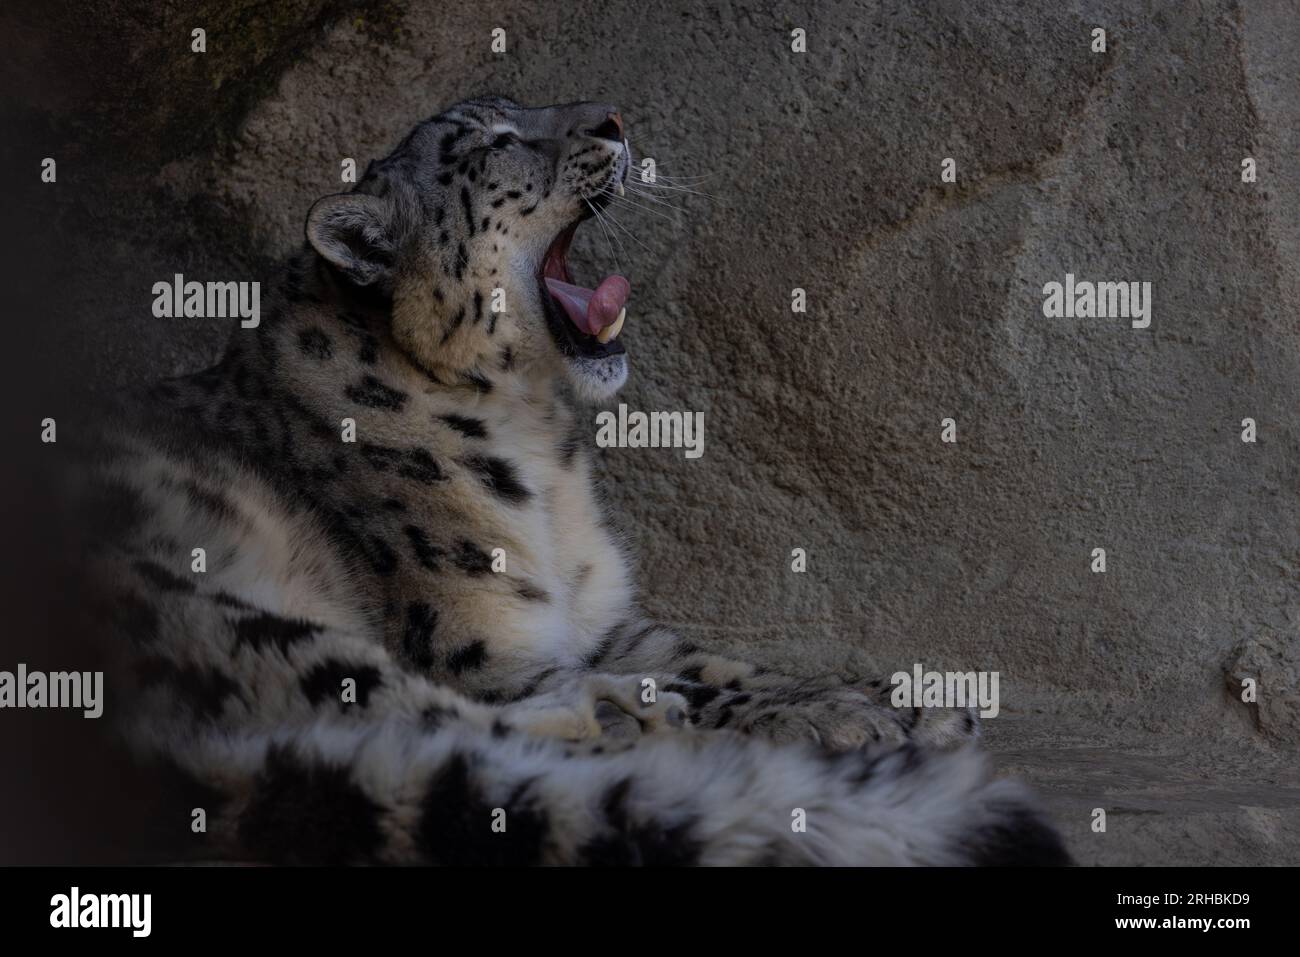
[821, 171]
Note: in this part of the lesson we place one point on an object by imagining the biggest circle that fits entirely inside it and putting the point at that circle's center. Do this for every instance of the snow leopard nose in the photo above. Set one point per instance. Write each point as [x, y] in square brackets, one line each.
[610, 129]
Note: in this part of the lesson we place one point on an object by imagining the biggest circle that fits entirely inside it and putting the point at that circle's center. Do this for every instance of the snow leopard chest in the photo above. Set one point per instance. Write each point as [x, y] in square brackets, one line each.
[479, 528]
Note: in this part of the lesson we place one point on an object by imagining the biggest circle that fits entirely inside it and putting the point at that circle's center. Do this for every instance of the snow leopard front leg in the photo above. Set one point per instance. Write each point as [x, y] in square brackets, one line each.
[835, 712]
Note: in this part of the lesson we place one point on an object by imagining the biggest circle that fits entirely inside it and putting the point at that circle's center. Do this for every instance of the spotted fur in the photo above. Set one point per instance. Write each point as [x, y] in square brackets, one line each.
[358, 675]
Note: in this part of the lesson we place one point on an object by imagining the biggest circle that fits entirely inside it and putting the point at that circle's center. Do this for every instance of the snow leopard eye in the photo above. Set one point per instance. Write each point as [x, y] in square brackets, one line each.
[502, 141]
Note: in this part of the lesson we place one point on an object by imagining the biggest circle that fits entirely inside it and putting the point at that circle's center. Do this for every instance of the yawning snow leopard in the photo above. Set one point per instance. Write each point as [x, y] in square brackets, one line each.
[410, 635]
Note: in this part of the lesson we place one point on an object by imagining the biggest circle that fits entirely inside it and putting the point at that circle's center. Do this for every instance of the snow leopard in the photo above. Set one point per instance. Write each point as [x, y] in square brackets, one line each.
[359, 588]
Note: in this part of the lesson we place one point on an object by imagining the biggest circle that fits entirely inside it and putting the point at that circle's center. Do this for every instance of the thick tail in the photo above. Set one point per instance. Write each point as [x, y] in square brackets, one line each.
[464, 795]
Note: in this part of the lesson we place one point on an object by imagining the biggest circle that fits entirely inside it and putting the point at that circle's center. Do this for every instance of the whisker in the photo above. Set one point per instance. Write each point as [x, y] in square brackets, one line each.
[668, 186]
[600, 221]
[604, 219]
[637, 187]
[694, 178]
[630, 235]
[674, 177]
[623, 200]
[683, 184]
[657, 200]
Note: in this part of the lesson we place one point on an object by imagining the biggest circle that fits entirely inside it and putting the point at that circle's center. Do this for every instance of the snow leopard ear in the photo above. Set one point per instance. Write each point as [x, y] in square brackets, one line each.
[355, 233]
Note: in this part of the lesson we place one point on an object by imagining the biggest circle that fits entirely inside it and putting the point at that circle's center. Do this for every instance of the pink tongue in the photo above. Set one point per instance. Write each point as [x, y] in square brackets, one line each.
[592, 309]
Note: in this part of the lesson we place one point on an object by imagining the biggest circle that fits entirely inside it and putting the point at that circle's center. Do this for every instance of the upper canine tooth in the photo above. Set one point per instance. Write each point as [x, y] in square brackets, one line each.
[611, 332]
[618, 187]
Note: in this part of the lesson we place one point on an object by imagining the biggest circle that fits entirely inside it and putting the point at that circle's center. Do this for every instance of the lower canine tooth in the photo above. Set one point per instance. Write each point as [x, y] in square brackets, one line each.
[611, 332]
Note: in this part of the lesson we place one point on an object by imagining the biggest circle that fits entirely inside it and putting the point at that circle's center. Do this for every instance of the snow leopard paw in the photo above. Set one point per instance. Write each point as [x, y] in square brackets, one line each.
[616, 708]
[840, 717]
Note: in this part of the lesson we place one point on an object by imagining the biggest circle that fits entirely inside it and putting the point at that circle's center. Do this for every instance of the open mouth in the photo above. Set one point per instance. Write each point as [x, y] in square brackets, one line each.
[584, 321]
